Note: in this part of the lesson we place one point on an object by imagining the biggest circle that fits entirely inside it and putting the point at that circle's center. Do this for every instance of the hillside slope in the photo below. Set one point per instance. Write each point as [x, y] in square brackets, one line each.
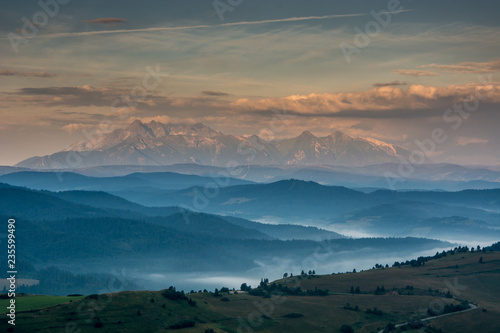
[409, 293]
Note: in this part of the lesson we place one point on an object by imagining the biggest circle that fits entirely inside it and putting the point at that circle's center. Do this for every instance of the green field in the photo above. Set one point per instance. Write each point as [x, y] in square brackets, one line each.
[409, 292]
[35, 302]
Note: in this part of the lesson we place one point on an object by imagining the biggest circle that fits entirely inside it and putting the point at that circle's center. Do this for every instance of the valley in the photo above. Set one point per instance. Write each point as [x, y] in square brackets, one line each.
[233, 166]
[410, 294]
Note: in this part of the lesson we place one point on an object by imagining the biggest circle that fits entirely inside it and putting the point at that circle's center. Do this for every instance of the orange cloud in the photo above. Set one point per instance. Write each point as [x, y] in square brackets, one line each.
[4, 72]
[106, 20]
[414, 72]
[469, 67]
[388, 84]
[464, 141]
[72, 128]
[380, 98]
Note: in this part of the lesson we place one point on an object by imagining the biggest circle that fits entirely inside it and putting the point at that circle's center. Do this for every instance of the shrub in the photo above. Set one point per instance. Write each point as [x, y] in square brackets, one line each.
[375, 311]
[346, 329]
[293, 315]
[390, 327]
[182, 324]
[416, 324]
[173, 294]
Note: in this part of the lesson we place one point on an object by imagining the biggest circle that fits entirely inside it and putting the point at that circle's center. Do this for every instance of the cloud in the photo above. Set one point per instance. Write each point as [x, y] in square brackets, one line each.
[204, 26]
[4, 72]
[365, 126]
[469, 67]
[55, 91]
[214, 93]
[167, 120]
[86, 95]
[106, 20]
[118, 100]
[388, 84]
[71, 96]
[387, 102]
[380, 102]
[72, 128]
[414, 72]
[464, 141]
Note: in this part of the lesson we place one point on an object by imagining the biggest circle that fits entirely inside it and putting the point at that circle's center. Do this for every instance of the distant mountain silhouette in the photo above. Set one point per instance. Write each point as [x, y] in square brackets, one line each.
[156, 143]
[52, 206]
[63, 181]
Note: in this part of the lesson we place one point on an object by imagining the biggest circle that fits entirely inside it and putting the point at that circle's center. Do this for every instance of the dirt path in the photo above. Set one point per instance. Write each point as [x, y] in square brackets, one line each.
[471, 307]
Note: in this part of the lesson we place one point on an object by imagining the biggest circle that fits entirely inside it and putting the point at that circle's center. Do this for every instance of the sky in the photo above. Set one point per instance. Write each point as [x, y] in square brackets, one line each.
[397, 71]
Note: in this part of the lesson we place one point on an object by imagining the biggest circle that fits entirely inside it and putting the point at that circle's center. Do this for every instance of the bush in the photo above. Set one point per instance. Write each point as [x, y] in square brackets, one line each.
[349, 307]
[182, 324]
[257, 292]
[317, 292]
[173, 294]
[390, 327]
[449, 308]
[375, 311]
[346, 329]
[293, 315]
[416, 324]
[224, 299]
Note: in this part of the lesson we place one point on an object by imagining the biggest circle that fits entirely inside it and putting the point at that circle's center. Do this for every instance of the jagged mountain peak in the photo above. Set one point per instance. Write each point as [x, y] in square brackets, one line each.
[138, 128]
[307, 134]
[390, 148]
[173, 129]
[157, 143]
[338, 135]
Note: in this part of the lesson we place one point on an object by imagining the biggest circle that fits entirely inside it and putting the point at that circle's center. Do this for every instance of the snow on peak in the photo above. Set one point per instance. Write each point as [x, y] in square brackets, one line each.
[389, 148]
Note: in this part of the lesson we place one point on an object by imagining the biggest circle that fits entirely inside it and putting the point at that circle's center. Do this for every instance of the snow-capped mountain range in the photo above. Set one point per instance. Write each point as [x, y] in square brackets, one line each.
[156, 143]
